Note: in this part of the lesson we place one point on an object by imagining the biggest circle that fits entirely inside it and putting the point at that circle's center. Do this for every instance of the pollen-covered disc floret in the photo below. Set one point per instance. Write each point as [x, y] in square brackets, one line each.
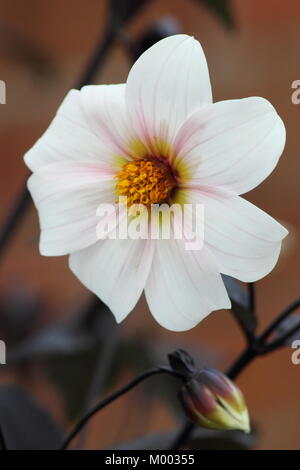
[145, 181]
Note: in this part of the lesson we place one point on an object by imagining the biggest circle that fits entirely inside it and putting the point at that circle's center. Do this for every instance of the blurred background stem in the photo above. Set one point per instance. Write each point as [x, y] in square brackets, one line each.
[79, 426]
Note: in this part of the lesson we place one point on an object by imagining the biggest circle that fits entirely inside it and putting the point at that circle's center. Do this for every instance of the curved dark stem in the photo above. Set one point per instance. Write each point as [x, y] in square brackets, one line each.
[252, 297]
[2, 440]
[237, 367]
[98, 57]
[283, 315]
[281, 340]
[14, 218]
[183, 435]
[114, 396]
[104, 358]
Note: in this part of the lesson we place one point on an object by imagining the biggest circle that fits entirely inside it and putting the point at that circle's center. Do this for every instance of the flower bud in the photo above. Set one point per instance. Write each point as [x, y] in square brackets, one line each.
[211, 400]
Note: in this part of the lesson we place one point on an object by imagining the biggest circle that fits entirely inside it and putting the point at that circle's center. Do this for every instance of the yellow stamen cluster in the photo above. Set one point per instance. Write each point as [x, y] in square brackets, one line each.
[145, 182]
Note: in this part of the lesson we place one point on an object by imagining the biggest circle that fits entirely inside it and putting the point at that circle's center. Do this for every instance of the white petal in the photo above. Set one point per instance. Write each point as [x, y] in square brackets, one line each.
[116, 271]
[67, 196]
[234, 144]
[183, 286]
[244, 240]
[167, 83]
[107, 116]
[71, 137]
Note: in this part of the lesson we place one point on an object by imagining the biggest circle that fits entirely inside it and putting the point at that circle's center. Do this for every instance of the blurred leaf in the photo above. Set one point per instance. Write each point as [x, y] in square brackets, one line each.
[70, 356]
[85, 365]
[69, 350]
[20, 308]
[240, 305]
[53, 341]
[73, 375]
[201, 439]
[222, 8]
[134, 352]
[80, 332]
[25, 424]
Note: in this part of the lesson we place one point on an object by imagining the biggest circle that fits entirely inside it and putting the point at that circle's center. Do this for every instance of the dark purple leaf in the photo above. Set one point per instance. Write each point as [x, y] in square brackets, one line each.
[24, 423]
[240, 305]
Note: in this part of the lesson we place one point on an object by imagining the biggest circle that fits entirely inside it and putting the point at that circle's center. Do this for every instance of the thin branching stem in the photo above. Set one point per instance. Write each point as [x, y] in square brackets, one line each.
[14, 218]
[239, 365]
[78, 427]
[252, 297]
[282, 340]
[283, 315]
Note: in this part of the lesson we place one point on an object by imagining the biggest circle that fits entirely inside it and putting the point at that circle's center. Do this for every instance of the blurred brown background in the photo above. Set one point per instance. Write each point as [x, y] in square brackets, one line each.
[261, 56]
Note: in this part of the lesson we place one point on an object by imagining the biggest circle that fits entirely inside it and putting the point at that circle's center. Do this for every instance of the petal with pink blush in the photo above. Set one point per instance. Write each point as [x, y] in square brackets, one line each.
[116, 271]
[67, 196]
[168, 82]
[106, 113]
[70, 136]
[183, 286]
[233, 144]
[244, 240]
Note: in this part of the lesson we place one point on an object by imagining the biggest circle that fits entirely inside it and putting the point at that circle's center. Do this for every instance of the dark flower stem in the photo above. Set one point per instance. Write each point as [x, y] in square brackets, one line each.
[97, 59]
[252, 297]
[114, 396]
[286, 312]
[281, 341]
[14, 218]
[183, 435]
[239, 365]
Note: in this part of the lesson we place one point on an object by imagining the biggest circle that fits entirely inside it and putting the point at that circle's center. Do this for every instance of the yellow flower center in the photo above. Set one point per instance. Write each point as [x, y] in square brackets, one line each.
[145, 181]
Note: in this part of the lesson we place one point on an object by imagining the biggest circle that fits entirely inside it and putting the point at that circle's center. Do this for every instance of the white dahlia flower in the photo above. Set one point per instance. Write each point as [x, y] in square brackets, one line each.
[159, 138]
